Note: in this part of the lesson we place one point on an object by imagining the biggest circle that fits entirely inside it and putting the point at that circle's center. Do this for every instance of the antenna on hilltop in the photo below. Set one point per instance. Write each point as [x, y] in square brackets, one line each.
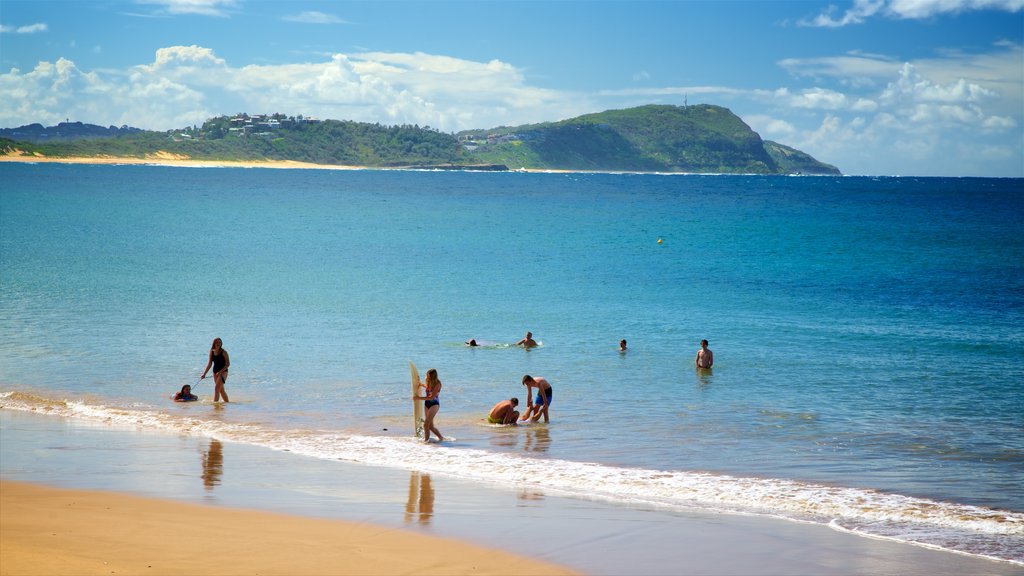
[685, 100]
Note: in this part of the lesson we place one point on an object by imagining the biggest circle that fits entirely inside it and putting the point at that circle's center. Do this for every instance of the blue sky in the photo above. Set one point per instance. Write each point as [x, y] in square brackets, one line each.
[878, 87]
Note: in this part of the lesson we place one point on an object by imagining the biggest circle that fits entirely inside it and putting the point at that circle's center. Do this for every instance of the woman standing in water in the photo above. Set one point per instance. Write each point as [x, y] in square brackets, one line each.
[220, 362]
[431, 404]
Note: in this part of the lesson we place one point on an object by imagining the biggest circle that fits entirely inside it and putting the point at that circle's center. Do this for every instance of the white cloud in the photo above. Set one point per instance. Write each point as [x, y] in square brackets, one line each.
[919, 9]
[854, 69]
[218, 8]
[771, 128]
[995, 76]
[185, 85]
[862, 10]
[819, 99]
[314, 17]
[999, 123]
[903, 119]
[28, 29]
[864, 105]
[921, 101]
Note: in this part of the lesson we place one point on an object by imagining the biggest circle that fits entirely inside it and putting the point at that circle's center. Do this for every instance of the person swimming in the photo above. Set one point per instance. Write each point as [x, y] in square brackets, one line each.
[527, 341]
[185, 394]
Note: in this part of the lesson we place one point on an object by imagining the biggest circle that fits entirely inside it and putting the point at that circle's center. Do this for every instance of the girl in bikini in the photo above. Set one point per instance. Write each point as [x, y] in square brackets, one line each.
[431, 404]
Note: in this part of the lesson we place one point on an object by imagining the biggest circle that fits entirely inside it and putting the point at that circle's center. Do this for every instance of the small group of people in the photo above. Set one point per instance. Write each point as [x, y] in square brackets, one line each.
[220, 361]
[527, 342]
[504, 412]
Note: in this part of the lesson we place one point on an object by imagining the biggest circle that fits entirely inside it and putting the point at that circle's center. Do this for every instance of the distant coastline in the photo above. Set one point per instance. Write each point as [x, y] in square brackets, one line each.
[175, 160]
[651, 139]
[167, 159]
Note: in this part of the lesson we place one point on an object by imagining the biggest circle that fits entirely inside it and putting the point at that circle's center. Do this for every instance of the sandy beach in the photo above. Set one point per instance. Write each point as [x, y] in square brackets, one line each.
[168, 159]
[134, 499]
[46, 530]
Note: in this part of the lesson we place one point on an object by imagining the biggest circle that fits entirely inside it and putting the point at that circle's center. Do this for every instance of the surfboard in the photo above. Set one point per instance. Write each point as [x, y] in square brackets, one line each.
[417, 405]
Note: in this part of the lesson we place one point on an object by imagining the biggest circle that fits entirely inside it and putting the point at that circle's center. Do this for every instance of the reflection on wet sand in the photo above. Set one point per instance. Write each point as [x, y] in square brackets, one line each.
[421, 499]
[213, 464]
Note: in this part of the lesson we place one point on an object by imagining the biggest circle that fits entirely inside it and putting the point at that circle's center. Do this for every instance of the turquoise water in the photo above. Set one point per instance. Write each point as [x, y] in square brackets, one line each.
[868, 333]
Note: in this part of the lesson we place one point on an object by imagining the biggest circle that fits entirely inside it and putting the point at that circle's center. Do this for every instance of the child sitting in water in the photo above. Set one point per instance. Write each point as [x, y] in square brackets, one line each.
[185, 395]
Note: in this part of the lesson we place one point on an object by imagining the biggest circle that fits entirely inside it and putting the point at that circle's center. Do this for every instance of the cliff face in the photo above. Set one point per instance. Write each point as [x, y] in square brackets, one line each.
[654, 138]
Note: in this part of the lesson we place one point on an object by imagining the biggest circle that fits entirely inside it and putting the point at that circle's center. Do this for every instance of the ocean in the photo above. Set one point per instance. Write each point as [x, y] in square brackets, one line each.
[868, 333]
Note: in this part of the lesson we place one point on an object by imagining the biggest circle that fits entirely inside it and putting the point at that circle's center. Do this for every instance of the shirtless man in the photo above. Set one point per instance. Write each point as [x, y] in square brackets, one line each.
[527, 342]
[539, 407]
[504, 412]
[704, 359]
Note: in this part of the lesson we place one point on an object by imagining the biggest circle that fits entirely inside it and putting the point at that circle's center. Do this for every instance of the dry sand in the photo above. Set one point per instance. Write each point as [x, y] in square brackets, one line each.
[55, 531]
[168, 159]
[163, 158]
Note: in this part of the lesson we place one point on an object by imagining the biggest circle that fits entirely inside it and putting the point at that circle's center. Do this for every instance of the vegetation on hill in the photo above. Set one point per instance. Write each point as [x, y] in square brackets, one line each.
[654, 138]
[63, 131]
[274, 137]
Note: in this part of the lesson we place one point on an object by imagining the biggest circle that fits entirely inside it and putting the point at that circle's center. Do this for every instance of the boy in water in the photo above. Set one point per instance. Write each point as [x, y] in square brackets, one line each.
[704, 359]
[539, 407]
[504, 412]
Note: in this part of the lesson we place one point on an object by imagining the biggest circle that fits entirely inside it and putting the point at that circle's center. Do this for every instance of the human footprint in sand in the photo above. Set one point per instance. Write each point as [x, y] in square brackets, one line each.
[431, 404]
[535, 408]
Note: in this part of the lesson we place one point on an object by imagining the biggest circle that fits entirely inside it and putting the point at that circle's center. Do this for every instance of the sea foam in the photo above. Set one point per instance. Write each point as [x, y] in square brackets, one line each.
[973, 530]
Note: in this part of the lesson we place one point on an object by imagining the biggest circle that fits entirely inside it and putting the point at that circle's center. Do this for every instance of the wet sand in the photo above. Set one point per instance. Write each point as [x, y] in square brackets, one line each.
[207, 490]
[46, 530]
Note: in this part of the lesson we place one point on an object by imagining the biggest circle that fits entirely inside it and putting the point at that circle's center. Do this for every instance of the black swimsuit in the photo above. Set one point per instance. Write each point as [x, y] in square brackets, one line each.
[218, 361]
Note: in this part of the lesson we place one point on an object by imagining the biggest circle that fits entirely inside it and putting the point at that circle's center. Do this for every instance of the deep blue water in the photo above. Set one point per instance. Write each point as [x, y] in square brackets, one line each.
[868, 332]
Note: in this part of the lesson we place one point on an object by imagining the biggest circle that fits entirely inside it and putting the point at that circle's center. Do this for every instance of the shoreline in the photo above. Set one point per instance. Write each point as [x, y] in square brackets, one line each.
[46, 530]
[588, 536]
[167, 159]
[176, 160]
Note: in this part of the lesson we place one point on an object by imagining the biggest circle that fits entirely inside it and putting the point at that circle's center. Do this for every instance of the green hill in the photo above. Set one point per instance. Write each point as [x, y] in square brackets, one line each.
[653, 138]
[276, 137]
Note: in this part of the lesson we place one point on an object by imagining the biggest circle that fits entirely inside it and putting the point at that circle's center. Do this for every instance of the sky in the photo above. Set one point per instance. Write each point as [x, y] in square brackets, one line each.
[873, 87]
